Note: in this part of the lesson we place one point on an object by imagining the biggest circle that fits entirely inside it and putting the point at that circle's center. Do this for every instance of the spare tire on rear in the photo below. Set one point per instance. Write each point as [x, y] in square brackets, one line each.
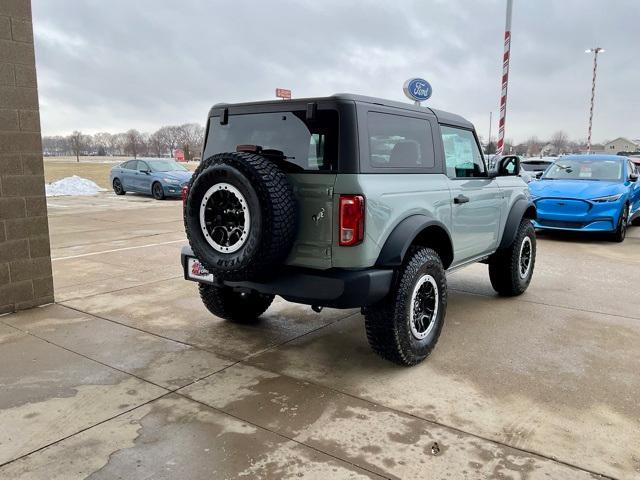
[240, 216]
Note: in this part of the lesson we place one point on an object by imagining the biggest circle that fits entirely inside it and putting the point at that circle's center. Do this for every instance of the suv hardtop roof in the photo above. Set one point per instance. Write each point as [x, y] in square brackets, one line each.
[442, 116]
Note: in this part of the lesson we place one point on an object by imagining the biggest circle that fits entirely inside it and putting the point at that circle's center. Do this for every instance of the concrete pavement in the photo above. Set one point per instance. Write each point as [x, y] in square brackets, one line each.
[128, 375]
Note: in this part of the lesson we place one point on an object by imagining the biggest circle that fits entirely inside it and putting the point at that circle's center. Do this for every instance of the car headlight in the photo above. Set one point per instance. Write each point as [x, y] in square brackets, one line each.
[171, 181]
[608, 198]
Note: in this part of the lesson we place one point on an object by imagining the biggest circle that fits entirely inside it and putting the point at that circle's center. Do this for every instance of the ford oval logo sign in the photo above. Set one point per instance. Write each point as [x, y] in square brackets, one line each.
[417, 89]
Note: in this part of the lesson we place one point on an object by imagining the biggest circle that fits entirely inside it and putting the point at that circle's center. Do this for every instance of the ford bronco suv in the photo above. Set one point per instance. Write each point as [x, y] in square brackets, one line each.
[349, 201]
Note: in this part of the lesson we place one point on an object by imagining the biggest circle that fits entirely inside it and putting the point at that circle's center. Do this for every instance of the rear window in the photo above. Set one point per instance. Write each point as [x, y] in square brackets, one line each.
[533, 166]
[312, 146]
[396, 141]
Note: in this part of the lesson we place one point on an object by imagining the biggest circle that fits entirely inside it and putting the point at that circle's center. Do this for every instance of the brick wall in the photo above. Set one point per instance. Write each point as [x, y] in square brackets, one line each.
[25, 259]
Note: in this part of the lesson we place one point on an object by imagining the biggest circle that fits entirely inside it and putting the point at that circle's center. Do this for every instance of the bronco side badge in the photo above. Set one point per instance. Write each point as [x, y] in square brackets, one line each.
[319, 216]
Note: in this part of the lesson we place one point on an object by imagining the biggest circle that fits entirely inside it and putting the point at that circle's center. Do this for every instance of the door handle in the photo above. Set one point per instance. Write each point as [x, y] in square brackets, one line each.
[460, 199]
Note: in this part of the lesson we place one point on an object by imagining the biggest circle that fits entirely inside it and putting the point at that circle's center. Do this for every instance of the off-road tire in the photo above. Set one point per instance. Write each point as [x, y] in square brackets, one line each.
[504, 265]
[273, 215]
[387, 322]
[620, 232]
[157, 191]
[236, 307]
[118, 188]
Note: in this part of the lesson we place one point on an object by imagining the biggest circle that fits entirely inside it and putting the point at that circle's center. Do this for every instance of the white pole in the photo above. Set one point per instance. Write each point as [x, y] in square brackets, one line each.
[505, 78]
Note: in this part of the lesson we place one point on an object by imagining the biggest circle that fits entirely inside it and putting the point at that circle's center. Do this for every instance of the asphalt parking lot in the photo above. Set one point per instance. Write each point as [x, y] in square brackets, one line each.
[128, 376]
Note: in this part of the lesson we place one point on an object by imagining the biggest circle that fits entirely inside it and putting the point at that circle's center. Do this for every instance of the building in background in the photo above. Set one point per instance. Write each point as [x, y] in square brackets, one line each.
[620, 145]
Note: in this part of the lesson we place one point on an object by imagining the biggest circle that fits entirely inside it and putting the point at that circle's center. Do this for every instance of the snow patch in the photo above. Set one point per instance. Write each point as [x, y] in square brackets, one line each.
[74, 185]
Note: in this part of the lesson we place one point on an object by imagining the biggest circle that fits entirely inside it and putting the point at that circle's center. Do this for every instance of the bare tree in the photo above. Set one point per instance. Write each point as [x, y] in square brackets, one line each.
[133, 143]
[190, 139]
[533, 146]
[157, 143]
[169, 137]
[77, 142]
[520, 149]
[55, 145]
[102, 142]
[560, 141]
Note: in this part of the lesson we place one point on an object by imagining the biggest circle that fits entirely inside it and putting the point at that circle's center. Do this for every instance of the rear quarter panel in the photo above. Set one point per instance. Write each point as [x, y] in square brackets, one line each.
[389, 199]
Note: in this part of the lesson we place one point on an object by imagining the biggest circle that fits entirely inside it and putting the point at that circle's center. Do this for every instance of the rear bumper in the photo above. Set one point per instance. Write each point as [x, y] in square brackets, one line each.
[326, 288]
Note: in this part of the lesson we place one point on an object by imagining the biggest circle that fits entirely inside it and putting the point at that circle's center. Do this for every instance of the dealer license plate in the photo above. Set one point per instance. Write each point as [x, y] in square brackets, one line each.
[197, 272]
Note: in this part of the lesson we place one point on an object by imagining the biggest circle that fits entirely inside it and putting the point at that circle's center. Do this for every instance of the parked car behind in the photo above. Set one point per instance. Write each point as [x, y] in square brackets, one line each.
[594, 193]
[160, 177]
[536, 166]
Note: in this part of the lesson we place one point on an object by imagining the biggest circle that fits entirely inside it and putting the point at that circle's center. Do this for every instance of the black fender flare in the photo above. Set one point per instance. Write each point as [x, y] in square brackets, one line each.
[522, 208]
[404, 234]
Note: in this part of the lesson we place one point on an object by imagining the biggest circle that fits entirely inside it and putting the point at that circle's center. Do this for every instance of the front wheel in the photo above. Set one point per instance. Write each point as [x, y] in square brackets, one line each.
[511, 269]
[237, 307]
[405, 326]
[621, 230]
[157, 191]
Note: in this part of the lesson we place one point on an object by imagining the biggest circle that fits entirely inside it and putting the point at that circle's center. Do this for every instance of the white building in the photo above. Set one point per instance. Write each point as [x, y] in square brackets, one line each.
[621, 144]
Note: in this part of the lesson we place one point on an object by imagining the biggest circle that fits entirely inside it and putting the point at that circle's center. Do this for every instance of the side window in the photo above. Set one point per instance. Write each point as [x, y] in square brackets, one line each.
[632, 168]
[315, 160]
[461, 152]
[399, 142]
[143, 166]
[127, 165]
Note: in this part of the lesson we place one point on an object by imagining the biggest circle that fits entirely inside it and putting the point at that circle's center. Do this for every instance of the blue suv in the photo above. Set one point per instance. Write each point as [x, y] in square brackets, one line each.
[594, 193]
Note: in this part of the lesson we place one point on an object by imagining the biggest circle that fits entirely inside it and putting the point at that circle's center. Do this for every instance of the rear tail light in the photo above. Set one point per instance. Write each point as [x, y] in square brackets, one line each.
[351, 226]
[183, 194]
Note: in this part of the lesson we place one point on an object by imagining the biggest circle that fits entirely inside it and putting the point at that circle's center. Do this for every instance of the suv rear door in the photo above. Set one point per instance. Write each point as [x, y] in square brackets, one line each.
[307, 134]
[477, 199]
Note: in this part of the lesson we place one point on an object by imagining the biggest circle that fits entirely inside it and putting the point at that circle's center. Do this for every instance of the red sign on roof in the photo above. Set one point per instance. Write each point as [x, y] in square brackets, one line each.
[283, 93]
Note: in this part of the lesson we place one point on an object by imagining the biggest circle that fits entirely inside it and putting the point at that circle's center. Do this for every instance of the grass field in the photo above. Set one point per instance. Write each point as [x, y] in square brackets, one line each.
[92, 168]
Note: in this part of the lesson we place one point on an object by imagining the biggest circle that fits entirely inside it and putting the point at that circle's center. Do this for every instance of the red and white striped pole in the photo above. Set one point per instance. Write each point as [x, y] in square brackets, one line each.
[505, 78]
[595, 52]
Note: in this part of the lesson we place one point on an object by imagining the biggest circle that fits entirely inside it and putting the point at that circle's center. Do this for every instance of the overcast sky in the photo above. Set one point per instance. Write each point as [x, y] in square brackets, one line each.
[120, 64]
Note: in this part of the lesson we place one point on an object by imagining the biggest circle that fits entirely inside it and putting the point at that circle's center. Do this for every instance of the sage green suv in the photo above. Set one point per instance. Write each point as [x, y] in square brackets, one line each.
[349, 201]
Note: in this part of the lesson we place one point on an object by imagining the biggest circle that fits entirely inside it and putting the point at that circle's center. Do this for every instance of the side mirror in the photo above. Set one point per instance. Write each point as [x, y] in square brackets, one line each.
[633, 177]
[146, 171]
[506, 166]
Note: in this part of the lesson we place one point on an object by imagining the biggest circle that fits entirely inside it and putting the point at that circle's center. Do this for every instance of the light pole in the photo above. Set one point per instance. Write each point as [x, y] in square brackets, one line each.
[595, 52]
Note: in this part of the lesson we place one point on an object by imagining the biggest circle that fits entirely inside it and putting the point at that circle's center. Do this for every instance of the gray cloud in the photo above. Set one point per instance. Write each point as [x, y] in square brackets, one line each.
[121, 64]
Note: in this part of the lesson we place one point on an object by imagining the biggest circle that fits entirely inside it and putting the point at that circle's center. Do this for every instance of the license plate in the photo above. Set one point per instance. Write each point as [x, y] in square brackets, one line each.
[196, 271]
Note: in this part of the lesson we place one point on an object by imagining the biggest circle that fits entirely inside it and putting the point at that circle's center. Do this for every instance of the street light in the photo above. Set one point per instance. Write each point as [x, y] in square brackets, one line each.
[595, 52]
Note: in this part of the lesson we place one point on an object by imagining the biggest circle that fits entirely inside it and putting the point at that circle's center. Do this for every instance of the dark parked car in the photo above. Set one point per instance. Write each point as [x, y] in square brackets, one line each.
[536, 166]
[160, 177]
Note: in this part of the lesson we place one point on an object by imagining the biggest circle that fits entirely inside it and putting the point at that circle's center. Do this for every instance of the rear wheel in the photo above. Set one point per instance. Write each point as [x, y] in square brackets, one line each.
[621, 230]
[511, 269]
[117, 187]
[405, 326]
[157, 191]
[237, 307]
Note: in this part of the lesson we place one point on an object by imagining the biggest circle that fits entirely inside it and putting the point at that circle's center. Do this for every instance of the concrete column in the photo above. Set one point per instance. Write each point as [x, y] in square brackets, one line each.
[25, 258]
